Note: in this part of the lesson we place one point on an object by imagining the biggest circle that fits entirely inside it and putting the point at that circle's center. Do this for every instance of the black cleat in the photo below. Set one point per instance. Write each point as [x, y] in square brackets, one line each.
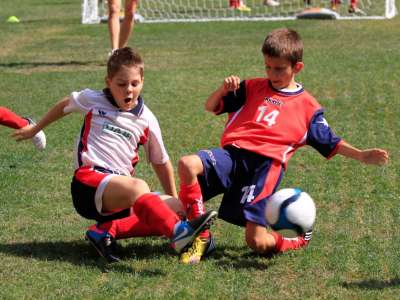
[104, 244]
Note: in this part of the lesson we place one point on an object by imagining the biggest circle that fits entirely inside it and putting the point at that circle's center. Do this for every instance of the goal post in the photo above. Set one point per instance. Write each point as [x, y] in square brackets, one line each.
[159, 11]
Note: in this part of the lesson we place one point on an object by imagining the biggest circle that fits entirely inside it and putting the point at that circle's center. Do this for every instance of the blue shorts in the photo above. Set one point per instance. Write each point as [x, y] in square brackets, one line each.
[245, 178]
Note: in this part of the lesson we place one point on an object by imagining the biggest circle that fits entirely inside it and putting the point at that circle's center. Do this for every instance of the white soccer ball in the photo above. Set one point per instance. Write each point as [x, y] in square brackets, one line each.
[290, 212]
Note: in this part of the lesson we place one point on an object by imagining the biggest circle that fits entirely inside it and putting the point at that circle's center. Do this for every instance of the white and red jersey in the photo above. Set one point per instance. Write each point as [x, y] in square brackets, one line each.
[274, 123]
[110, 138]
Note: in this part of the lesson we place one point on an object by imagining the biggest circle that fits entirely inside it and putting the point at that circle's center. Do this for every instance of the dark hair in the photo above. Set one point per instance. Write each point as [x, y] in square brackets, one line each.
[124, 57]
[285, 43]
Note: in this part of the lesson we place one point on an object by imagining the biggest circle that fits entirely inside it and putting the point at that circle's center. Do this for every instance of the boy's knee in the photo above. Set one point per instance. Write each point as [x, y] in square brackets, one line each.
[140, 186]
[186, 164]
[114, 9]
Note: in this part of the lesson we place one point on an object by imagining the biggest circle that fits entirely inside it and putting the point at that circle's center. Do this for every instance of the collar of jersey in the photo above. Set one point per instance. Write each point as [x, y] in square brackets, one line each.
[137, 110]
[287, 92]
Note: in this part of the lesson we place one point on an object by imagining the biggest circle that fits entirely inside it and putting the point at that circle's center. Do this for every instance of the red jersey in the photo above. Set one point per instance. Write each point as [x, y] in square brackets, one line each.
[275, 123]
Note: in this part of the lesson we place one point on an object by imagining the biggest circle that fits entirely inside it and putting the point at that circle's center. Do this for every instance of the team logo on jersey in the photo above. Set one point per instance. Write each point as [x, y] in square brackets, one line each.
[117, 130]
[102, 113]
[273, 101]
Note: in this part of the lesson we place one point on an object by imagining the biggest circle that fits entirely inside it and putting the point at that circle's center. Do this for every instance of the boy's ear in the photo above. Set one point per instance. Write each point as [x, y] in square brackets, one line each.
[298, 67]
[107, 81]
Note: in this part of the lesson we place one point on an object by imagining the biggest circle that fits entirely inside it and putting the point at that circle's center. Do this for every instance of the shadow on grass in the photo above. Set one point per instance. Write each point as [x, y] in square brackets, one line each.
[232, 257]
[373, 284]
[81, 253]
[50, 64]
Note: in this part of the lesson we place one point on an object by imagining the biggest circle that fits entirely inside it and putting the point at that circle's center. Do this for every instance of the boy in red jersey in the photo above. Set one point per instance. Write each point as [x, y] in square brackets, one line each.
[10, 119]
[268, 120]
[103, 187]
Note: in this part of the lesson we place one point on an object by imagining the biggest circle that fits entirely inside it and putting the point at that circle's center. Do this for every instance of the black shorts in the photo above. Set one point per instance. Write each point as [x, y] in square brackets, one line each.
[87, 188]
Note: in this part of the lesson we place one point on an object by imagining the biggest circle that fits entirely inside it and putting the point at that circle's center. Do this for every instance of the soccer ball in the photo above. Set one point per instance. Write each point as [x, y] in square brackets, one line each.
[291, 212]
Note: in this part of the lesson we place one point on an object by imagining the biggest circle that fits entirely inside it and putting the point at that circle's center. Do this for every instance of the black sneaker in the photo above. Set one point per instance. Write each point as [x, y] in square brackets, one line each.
[104, 243]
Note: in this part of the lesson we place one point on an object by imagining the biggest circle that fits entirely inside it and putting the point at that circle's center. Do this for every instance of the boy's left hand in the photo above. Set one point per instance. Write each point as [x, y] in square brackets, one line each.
[24, 133]
[375, 156]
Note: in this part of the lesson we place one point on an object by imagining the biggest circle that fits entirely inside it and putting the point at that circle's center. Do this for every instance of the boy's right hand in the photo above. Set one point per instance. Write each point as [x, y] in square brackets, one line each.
[375, 156]
[231, 83]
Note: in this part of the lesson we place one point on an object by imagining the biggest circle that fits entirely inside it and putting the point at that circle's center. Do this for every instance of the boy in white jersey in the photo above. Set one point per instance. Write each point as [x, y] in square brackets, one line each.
[268, 120]
[103, 187]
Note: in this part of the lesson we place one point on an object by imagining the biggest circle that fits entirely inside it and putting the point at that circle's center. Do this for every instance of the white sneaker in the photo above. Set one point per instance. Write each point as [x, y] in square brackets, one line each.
[39, 140]
[271, 3]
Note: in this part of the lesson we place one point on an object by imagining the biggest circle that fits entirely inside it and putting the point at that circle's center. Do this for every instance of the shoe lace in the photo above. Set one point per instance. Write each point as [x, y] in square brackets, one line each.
[195, 248]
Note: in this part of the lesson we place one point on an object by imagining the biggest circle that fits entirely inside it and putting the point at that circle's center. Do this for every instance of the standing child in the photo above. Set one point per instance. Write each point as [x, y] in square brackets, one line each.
[268, 120]
[103, 187]
[120, 32]
[11, 119]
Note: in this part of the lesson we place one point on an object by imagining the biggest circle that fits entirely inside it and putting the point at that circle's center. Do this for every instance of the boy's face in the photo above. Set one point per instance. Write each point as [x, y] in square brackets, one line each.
[281, 72]
[125, 86]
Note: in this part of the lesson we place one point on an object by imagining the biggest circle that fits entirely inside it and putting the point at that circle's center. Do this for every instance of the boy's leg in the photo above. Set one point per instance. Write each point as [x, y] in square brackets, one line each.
[128, 22]
[151, 210]
[114, 7]
[11, 119]
[189, 168]
[264, 242]
[283, 244]
[212, 168]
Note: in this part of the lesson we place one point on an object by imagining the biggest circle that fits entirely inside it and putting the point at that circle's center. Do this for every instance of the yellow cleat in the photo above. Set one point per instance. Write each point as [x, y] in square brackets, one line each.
[243, 8]
[199, 249]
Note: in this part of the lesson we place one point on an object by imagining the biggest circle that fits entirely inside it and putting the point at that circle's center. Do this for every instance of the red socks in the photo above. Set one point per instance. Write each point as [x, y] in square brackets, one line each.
[192, 200]
[11, 119]
[127, 227]
[152, 218]
[156, 214]
[284, 244]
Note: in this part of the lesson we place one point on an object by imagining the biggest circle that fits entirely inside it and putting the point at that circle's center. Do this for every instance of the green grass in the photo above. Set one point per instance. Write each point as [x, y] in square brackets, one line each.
[351, 67]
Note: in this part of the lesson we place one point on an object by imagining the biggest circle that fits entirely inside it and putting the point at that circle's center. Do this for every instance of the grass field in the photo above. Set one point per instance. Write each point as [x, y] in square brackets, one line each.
[352, 67]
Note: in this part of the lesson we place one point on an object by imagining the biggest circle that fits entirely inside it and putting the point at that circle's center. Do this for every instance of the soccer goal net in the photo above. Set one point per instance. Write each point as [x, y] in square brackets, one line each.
[152, 11]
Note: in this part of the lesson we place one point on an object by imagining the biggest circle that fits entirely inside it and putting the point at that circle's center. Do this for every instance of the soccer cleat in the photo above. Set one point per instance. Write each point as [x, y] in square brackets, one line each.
[186, 231]
[307, 236]
[356, 11]
[104, 244]
[39, 140]
[271, 3]
[200, 248]
[243, 8]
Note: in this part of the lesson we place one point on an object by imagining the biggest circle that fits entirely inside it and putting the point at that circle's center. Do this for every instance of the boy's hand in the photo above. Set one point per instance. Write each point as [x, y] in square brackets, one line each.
[24, 133]
[231, 83]
[375, 156]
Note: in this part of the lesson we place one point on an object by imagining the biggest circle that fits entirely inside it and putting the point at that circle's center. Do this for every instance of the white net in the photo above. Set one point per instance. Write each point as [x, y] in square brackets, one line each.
[208, 10]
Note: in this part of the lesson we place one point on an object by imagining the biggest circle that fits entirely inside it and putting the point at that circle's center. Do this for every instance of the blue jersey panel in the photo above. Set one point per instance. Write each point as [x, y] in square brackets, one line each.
[320, 136]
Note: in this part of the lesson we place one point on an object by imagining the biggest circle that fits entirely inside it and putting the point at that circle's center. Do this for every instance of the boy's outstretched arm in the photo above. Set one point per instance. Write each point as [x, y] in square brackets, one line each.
[165, 174]
[55, 113]
[230, 84]
[373, 156]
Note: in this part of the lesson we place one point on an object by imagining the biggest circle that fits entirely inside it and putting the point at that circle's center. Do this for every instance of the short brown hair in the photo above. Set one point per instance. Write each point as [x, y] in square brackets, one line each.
[124, 57]
[285, 43]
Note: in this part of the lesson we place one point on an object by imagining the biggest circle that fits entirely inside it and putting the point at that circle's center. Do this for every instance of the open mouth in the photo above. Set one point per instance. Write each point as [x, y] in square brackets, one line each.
[127, 100]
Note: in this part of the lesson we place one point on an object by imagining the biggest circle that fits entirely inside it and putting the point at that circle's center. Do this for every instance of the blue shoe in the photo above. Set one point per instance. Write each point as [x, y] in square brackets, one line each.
[104, 244]
[186, 231]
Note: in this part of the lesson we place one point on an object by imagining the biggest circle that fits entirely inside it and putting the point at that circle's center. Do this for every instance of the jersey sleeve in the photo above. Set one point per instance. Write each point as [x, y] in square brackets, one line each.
[321, 137]
[82, 101]
[154, 146]
[233, 101]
